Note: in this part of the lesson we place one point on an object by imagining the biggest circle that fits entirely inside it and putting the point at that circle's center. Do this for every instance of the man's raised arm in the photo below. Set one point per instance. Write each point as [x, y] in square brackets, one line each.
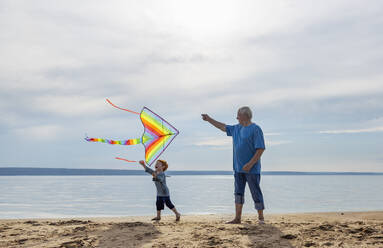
[215, 123]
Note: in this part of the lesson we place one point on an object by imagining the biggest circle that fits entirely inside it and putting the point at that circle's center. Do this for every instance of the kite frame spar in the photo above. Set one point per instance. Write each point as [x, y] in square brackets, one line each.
[153, 123]
[172, 135]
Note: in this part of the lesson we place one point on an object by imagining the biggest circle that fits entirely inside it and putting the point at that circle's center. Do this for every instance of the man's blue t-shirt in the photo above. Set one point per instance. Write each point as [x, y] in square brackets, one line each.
[246, 140]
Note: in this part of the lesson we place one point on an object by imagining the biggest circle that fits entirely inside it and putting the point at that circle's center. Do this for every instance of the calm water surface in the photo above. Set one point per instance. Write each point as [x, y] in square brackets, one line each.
[75, 196]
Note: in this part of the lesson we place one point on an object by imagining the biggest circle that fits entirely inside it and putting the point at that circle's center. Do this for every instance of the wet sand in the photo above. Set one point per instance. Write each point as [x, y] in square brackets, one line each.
[348, 229]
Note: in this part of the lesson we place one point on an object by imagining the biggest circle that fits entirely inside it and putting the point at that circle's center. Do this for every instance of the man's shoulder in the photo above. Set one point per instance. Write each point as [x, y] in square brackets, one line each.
[234, 127]
[257, 129]
[237, 126]
[256, 126]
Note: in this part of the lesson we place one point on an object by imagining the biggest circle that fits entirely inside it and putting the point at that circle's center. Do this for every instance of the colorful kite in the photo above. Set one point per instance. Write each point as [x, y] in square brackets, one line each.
[157, 136]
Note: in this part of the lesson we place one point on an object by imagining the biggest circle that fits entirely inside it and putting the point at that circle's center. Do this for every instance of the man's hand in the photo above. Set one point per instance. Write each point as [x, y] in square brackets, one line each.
[205, 117]
[215, 123]
[247, 167]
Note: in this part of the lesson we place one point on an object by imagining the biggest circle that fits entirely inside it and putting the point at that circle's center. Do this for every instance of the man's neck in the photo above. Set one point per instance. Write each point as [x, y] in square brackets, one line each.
[246, 123]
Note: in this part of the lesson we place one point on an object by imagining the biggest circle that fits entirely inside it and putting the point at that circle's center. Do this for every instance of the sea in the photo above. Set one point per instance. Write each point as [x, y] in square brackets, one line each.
[135, 195]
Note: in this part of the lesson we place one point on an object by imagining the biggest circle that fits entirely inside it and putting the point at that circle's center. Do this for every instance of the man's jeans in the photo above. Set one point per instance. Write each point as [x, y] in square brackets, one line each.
[253, 180]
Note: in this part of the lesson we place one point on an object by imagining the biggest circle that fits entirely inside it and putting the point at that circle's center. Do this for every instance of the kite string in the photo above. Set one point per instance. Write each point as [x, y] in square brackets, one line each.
[121, 108]
[125, 159]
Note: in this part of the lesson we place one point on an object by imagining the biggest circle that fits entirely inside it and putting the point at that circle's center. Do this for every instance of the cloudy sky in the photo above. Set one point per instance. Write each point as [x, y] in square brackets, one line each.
[310, 70]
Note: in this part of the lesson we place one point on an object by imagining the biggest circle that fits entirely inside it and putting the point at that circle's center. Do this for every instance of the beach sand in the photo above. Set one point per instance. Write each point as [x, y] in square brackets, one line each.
[361, 229]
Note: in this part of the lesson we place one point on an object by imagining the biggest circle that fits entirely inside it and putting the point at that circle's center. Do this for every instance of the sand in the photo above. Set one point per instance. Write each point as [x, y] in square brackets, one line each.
[361, 229]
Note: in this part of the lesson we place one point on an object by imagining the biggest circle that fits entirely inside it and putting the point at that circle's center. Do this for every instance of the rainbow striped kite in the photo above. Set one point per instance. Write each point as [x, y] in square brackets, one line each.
[157, 136]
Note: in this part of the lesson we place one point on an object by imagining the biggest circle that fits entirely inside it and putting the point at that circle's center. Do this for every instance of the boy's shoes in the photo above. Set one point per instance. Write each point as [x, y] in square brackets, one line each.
[261, 222]
[178, 217]
[156, 219]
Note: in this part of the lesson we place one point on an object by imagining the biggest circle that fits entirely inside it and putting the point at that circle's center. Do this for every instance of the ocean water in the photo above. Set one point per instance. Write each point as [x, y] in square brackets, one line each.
[94, 196]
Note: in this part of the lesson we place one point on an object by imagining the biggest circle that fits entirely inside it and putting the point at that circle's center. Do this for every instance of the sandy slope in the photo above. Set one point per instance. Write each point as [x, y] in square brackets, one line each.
[364, 229]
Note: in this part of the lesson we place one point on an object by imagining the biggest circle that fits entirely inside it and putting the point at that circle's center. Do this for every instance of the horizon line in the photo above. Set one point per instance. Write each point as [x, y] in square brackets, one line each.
[34, 171]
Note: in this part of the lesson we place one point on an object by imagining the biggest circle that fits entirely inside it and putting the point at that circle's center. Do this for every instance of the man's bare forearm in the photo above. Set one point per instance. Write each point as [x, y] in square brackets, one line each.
[256, 156]
[253, 160]
[217, 124]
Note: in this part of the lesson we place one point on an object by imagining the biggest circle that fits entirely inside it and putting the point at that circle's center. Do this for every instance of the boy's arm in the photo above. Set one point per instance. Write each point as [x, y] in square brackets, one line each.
[161, 177]
[147, 169]
[221, 126]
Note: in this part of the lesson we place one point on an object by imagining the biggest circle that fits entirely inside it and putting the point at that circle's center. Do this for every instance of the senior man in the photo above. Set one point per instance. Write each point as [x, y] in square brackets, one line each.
[248, 146]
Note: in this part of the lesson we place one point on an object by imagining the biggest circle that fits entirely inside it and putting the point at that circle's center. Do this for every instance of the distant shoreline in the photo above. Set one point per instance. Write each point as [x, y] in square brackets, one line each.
[30, 171]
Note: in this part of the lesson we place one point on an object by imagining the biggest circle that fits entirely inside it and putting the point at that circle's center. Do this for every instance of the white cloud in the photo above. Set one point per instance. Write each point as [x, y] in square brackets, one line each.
[362, 130]
[227, 142]
[103, 50]
[60, 60]
[277, 142]
[42, 132]
[214, 142]
[310, 91]
[272, 134]
[70, 105]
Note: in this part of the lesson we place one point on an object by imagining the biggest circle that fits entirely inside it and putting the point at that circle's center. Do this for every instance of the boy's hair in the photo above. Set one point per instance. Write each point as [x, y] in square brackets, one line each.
[164, 164]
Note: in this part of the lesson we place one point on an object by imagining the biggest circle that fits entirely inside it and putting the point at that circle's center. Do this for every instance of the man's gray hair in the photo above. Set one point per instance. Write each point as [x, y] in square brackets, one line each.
[245, 111]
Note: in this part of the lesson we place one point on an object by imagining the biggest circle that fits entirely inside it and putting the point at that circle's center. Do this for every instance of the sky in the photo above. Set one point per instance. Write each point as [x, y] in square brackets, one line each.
[311, 71]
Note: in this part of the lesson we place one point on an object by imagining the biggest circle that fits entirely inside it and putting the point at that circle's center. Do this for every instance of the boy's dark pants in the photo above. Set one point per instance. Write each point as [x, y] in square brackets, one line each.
[163, 199]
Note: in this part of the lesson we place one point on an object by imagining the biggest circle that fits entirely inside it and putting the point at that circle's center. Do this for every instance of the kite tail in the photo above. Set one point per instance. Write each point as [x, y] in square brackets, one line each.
[125, 159]
[122, 108]
[116, 142]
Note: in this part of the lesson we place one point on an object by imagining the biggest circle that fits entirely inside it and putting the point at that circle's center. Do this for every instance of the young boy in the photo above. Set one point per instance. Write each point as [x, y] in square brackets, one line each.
[159, 179]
